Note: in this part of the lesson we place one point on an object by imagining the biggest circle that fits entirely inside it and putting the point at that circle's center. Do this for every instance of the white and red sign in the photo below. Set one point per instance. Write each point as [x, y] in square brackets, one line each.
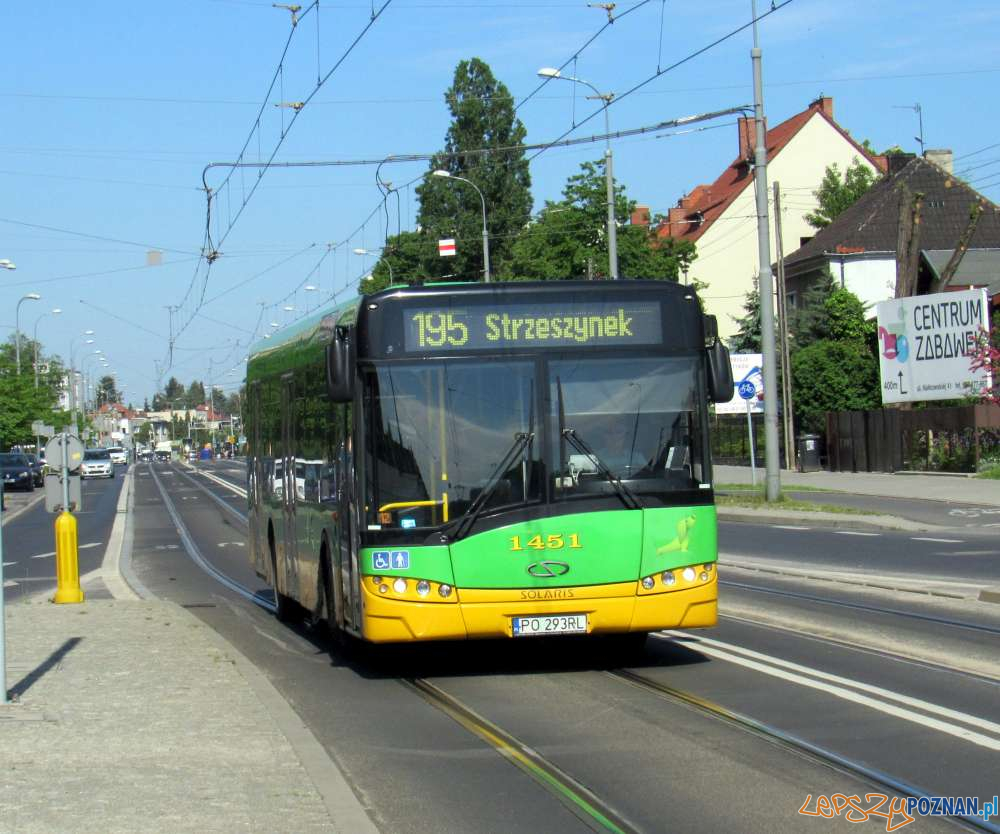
[446, 247]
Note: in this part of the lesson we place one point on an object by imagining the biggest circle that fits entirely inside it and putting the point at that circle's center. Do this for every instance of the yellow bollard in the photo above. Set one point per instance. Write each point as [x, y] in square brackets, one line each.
[67, 563]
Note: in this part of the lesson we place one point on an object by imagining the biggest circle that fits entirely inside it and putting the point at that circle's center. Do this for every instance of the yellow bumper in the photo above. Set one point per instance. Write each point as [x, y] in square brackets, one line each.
[478, 613]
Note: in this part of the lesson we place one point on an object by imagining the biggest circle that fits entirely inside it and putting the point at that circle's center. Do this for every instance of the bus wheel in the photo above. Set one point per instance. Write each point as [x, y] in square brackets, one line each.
[284, 607]
[328, 600]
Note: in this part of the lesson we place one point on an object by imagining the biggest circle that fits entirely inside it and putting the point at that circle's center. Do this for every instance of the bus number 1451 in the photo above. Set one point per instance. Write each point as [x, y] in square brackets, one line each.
[555, 541]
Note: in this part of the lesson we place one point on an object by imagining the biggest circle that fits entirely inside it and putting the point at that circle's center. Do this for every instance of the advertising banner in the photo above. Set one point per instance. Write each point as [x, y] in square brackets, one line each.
[748, 382]
[925, 345]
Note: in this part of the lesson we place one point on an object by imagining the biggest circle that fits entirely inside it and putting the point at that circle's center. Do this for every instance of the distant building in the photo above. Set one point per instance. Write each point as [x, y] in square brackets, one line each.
[722, 217]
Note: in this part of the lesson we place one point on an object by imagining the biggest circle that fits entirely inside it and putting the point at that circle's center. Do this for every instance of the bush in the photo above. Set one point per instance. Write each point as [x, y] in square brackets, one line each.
[833, 376]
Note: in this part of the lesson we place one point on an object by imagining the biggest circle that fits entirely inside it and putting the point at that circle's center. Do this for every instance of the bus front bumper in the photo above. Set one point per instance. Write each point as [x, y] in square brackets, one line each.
[486, 613]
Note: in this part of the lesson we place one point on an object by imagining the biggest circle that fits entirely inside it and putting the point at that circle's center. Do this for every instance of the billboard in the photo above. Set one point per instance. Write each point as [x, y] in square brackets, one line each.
[925, 343]
[747, 375]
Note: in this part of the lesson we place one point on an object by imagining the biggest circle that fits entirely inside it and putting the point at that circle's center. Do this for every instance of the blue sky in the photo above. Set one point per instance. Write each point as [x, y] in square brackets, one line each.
[112, 110]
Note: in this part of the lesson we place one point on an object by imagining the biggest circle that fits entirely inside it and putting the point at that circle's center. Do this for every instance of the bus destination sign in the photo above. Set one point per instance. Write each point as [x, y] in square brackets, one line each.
[556, 325]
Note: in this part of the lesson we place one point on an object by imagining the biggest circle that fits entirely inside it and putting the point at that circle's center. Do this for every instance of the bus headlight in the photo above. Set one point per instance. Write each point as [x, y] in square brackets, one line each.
[648, 582]
[688, 574]
[399, 586]
[668, 578]
[423, 587]
[445, 590]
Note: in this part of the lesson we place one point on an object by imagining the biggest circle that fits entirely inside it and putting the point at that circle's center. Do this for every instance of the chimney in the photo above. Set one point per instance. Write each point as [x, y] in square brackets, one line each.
[748, 136]
[824, 103]
[942, 157]
[640, 216]
[898, 161]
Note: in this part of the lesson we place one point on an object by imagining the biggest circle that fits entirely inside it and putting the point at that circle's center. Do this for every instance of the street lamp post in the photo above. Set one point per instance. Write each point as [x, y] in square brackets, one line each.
[486, 235]
[53, 312]
[31, 296]
[72, 372]
[609, 178]
[388, 264]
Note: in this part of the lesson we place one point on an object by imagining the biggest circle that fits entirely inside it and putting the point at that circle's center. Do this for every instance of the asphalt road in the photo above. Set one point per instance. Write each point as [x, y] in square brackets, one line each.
[29, 540]
[658, 763]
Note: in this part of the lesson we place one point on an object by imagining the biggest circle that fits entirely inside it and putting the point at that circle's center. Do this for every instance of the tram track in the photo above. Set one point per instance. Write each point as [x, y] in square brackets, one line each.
[592, 810]
[793, 744]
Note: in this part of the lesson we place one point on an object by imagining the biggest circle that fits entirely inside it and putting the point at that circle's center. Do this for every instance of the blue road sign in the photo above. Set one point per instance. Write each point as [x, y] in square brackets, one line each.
[747, 389]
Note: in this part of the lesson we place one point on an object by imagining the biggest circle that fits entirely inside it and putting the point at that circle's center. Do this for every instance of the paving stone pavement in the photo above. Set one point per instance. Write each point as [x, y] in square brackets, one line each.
[131, 717]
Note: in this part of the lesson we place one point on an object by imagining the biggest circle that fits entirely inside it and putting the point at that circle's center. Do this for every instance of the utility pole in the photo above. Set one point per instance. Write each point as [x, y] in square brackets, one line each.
[786, 364]
[772, 481]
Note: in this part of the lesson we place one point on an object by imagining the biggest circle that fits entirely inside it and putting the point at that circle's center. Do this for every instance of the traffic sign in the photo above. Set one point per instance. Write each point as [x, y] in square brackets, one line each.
[446, 247]
[39, 429]
[54, 452]
[747, 389]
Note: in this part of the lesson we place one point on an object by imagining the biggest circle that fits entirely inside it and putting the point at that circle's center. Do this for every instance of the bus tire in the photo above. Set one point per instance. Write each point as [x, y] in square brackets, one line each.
[327, 599]
[284, 607]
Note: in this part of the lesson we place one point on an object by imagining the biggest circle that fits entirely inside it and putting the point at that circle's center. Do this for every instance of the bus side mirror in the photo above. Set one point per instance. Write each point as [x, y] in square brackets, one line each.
[720, 373]
[340, 362]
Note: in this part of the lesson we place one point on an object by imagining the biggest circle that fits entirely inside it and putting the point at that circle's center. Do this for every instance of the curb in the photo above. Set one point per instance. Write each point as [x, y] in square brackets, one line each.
[10, 515]
[841, 521]
[990, 595]
[110, 571]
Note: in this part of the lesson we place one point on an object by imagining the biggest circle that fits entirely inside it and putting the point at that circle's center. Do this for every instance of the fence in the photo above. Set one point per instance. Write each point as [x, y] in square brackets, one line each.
[731, 440]
[959, 439]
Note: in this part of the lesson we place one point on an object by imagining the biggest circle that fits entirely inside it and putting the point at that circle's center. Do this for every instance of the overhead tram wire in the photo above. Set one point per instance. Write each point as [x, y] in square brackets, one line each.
[663, 71]
[210, 248]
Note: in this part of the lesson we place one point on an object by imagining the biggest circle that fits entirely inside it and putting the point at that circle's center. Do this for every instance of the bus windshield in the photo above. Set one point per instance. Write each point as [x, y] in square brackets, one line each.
[634, 418]
[437, 433]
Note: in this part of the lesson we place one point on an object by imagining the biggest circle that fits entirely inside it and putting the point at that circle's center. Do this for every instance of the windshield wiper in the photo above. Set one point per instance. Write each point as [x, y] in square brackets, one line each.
[629, 498]
[521, 442]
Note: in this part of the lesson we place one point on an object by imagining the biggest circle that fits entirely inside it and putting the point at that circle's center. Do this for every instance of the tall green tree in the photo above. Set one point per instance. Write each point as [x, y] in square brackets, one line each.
[21, 403]
[747, 337]
[569, 240]
[483, 118]
[107, 392]
[837, 193]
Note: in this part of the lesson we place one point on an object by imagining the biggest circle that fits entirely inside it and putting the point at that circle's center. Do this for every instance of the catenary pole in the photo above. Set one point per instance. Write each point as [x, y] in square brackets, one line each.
[772, 478]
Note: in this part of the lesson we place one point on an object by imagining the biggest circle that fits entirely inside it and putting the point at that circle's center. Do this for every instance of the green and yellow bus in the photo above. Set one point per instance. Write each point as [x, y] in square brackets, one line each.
[489, 460]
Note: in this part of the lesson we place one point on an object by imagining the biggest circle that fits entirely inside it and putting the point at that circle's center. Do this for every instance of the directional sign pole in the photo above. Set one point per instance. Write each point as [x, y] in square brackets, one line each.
[753, 460]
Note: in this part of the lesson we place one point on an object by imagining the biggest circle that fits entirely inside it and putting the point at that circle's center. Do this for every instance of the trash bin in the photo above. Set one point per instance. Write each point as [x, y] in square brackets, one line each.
[809, 453]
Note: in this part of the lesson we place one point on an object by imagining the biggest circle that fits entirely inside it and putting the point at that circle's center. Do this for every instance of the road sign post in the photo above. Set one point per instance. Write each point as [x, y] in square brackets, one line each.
[67, 558]
[747, 390]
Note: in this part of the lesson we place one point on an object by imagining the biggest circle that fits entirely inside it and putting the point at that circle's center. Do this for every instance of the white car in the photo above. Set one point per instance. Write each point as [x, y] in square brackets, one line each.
[97, 464]
[118, 455]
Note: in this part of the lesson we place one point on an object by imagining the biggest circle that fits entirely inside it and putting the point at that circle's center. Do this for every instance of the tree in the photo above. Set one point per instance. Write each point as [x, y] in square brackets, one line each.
[986, 357]
[483, 117]
[195, 394]
[23, 403]
[747, 337]
[568, 239]
[106, 391]
[835, 194]
[173, 392]
[409, 254]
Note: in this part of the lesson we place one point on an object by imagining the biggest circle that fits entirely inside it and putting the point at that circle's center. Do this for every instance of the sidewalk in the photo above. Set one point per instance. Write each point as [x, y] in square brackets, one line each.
[137, 717]
[907, 485]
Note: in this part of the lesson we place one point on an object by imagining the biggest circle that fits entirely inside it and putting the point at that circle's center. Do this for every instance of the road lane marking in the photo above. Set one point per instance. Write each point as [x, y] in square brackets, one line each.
[854, 533]
[942, 541]
[8, 564]
[232, 544]
[789, 527]
[841, 688]
[78, 547]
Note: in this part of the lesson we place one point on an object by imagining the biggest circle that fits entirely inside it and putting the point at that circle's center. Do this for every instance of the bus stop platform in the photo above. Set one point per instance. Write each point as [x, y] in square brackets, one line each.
[135, 716]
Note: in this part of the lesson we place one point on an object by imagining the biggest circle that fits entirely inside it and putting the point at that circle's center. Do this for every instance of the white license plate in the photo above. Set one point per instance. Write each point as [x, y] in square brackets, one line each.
[549, 624]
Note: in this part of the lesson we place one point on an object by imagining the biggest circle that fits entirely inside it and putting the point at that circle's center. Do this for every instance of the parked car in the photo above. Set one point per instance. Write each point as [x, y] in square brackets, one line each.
[97, 464]
[17, 473]
[118, 455]
[37, 469]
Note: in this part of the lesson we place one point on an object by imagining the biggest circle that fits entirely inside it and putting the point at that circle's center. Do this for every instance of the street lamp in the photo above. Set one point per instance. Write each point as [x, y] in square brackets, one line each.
[486, 236]
[53, 312]
[386, 259]
[31, 296]
[551, 72]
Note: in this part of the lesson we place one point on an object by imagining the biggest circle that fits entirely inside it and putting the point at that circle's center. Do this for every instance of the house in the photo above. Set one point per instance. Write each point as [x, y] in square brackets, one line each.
[722, 217]
[859, 246]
